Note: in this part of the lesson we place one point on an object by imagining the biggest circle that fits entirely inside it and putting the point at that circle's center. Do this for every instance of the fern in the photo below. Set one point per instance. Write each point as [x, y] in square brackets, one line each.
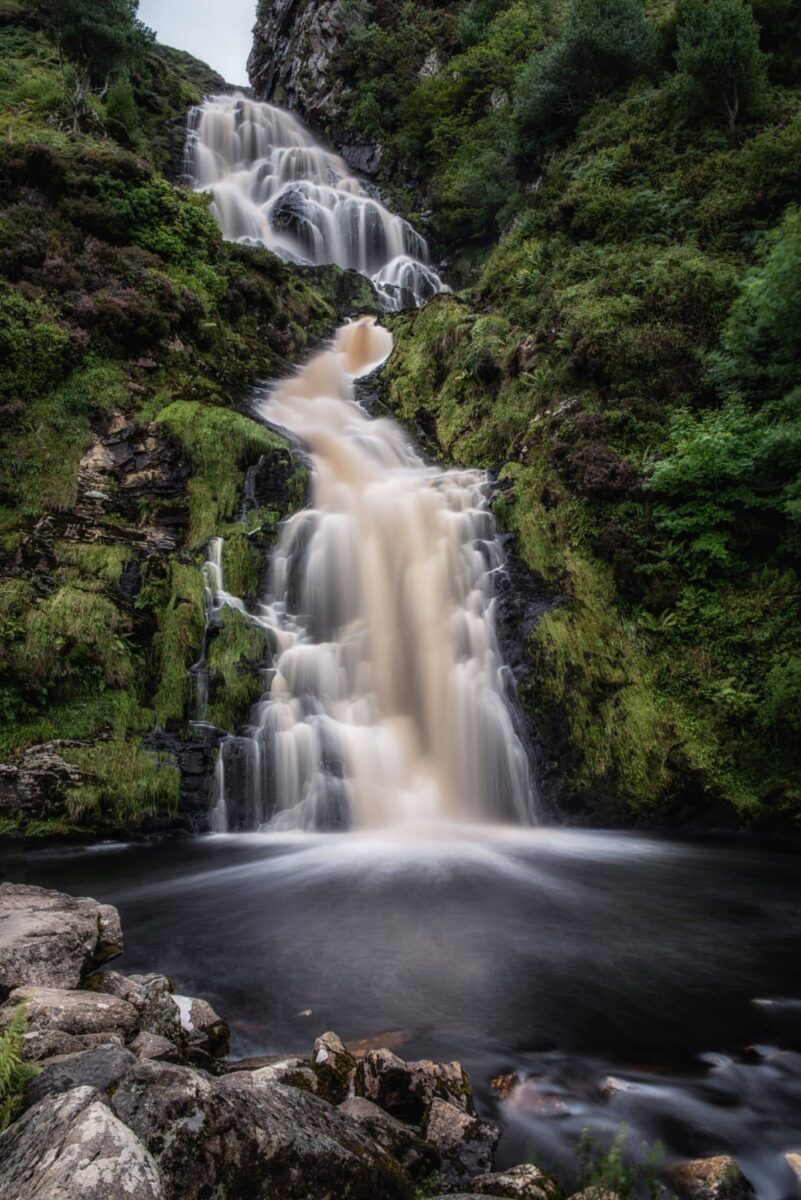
[15, 1072]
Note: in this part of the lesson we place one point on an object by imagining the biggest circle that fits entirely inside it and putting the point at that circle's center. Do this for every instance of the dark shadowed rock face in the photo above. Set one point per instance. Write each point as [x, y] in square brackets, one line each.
[220, 1136]
[100, 1068]
[297, 47]
[466, 1144]
[402, 1141]
[48, 939]
[72, 1147]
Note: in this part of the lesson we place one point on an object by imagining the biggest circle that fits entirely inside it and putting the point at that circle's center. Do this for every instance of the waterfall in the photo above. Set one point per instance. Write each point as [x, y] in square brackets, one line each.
[274, 186]
[388, 700]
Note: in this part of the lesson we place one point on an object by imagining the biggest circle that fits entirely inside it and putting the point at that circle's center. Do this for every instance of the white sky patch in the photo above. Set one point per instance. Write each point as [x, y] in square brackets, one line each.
[219, 32]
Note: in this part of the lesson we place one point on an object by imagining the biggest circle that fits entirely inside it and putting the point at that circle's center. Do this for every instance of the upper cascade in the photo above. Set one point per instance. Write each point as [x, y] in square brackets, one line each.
[273, 185]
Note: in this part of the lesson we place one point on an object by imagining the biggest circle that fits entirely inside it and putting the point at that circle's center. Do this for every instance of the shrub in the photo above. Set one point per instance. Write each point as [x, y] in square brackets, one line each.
[15, 1072]
[781, 706]
[719, 57]
[603, 44]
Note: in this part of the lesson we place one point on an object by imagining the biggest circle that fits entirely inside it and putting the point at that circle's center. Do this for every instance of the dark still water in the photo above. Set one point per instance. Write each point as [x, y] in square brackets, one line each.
[626, 980]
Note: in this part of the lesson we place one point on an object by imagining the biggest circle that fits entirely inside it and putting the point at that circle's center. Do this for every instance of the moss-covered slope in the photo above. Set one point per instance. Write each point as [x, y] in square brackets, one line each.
[129, 333]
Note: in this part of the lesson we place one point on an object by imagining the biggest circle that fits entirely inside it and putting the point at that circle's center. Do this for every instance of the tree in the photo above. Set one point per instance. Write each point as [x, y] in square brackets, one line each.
[718, 54]
[603, 44]
[95, 38]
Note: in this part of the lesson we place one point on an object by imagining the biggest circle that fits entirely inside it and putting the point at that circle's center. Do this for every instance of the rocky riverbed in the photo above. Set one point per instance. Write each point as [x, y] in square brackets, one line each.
[134, 1097]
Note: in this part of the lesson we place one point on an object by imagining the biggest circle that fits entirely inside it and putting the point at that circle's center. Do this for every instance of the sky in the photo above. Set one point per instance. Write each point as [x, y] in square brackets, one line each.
[217, 31]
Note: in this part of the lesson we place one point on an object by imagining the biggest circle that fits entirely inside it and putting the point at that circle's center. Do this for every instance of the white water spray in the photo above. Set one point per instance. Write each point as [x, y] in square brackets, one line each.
[273, 185]
[388, 701]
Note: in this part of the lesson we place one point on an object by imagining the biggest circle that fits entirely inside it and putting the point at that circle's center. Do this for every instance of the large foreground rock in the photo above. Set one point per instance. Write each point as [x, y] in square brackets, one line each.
[100, 1068]
[75, 1013]
[402, 1141]
[72, 1147]
[215, 1137]
[48, 939]
[466, 1144]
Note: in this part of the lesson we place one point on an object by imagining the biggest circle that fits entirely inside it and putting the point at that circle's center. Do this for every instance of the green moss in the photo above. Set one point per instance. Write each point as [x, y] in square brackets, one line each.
[220, 444]
[242, 564]
[127, 785]
[97, 565]
[179, 603]
[234, 658]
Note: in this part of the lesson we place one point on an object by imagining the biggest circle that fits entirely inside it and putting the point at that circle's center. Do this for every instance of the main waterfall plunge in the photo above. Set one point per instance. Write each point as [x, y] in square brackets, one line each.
[387, 702]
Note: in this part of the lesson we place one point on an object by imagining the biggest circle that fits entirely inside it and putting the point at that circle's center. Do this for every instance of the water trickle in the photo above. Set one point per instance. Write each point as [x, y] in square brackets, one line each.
[273, 185]
[387, 703]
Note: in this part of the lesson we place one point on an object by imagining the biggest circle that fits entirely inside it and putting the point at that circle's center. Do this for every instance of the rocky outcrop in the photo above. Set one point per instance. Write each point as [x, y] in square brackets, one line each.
[49, 940]
[131, 1099]
[72, 1146]
[297, 51]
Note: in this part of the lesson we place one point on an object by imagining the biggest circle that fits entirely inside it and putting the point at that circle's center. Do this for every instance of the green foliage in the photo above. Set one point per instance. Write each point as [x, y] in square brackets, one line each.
[15, 1072]
[761, 339]
[75, 630]
[126, 784]
[98, 35]
[781, 707]
[235, 654]
[602, 44]
[180, 606]
[220, 445]
[718, 57]
[609, 1172]
[121, 107]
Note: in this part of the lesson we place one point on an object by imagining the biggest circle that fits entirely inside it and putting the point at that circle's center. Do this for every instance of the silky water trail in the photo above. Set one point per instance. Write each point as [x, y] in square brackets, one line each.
[615, 980]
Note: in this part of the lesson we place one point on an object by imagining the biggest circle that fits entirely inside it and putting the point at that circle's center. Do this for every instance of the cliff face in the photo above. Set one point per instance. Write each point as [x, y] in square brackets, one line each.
[297, 58]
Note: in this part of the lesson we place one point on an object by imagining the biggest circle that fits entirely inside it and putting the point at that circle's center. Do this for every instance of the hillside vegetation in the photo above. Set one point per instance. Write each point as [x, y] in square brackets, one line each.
[615, 184]
[128, 334]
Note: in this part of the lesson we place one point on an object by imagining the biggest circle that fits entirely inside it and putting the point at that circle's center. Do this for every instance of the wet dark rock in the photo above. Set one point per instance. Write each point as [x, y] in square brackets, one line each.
[525, 1182]
[39, 781]
[296, 51]
[100, 1068]
[210, 1136]
[48, 939]
[72, 1147]
[406, 1090]
[333, 1066]
[402, 1141]
[73, 1012]
[466, 1144]
[717, 1178]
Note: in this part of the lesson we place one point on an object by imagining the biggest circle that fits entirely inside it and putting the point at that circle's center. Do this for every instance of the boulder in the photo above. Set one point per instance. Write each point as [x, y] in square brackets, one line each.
[201, 1027]
[717, 1178]
[77, 1013]
[294, 1072]
[525, 1182]
[407, 1089]
[187, 1022]
[216, 1136]
[48, 939]
[793, 1160]
[334, 1066]
[72, 1147]
[466, 1144]
[403, 1142]
[150, 1045]
[99, 1068]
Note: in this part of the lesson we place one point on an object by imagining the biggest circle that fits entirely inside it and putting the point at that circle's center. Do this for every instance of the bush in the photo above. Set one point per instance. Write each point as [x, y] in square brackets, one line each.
[603, 44]
[719, 57]
[15, 1072]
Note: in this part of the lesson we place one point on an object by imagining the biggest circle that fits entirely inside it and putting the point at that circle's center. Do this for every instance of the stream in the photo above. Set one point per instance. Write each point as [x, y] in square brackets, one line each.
[623, 979]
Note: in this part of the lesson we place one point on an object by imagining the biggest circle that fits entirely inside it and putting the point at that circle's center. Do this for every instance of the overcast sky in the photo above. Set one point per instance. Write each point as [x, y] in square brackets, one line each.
[216, 31]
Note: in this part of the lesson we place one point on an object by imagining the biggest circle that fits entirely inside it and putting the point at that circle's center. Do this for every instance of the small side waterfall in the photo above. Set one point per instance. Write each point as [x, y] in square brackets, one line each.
[274, 186]
[388, 701]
